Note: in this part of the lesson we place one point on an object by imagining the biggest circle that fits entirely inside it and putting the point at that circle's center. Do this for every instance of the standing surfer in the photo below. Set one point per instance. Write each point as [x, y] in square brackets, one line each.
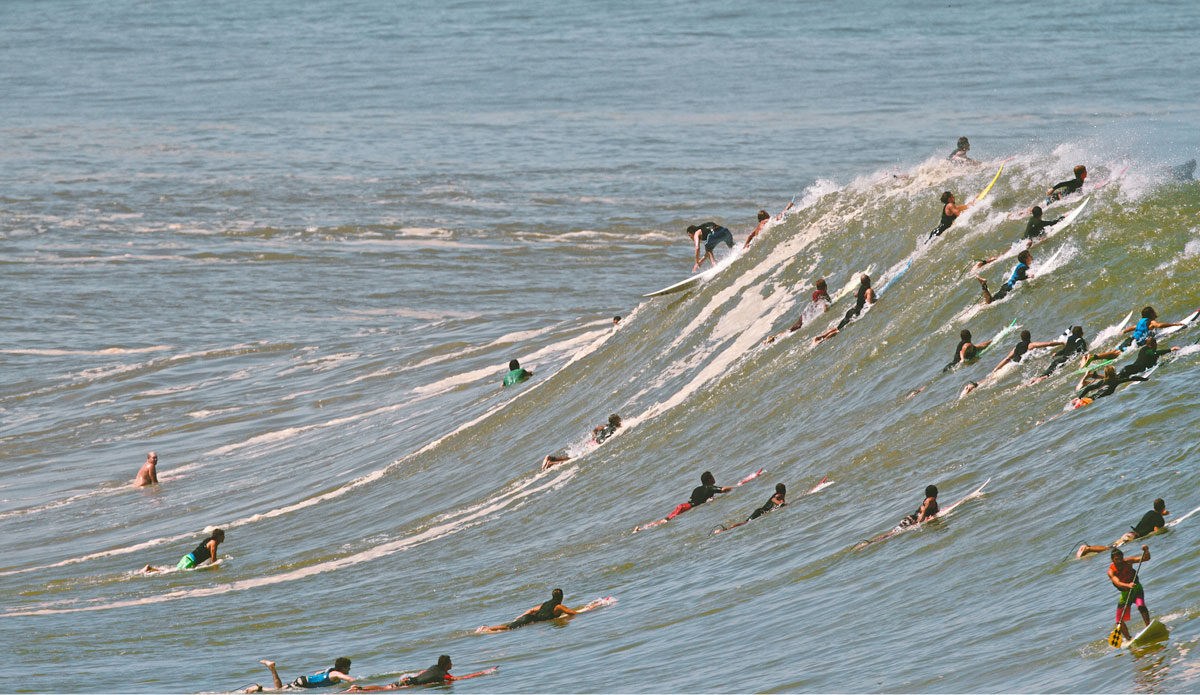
[711, 234]
[1122, 576]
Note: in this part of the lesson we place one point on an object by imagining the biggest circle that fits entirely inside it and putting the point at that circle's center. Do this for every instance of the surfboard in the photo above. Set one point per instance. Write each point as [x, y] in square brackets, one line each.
[942, 513]
[660, 522]
[996, 338]
[894, 277]
[1154, 632]
[852, 284]
[703, 276]
[994, 179]
[1103, 363]
[825, 482]
[1019, 245]
[1187, 321]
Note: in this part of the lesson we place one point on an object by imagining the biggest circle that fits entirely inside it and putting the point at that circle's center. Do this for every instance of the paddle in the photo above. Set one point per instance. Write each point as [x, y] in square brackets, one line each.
[1114, 639]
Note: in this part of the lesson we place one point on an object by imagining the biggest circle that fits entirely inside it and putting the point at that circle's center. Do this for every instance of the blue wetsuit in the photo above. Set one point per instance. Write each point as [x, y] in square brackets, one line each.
[1018, 274]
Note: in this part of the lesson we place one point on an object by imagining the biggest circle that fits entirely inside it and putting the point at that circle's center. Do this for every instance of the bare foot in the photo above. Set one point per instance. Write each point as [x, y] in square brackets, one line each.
[981, 281]
[267, 662]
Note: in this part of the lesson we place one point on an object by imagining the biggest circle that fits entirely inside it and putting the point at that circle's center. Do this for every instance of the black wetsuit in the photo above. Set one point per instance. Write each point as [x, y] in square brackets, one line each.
[1019, 350]
[703, 494]
[431, 675]
[1073, 347]
[958, 354]
[1104, 387]
[944, 224]
[771, 505]
[604, 433]
[929, 514]
[1147, 357]
[854, 311]
[543, 613]
[1064, 188]
[1150, 521]
[200, 554]
[1036, 227]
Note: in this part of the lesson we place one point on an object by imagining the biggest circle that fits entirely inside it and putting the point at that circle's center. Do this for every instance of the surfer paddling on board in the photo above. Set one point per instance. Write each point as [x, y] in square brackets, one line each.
[959, 155]
[965, 350]
[820, 297]
[1075, 344]
[1036, 226]
[707, 489]
[779, 499]
[600, 433]
[927, 510]
[340, 671]
[434, 675]
[1101, 386]
[148, 475]
[950, 213]
[547, 611]
[1121, 574]
[711, 234]
[1063, 189]
[1151, 522]
[1020, 272]
[207, 550]
[1141, 332]
[865, 296]
[516, 373]
[1147, 357]
[1023, 346]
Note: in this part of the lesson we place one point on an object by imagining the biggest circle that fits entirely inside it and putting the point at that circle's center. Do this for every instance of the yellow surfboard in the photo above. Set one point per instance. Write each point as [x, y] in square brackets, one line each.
[994, 179]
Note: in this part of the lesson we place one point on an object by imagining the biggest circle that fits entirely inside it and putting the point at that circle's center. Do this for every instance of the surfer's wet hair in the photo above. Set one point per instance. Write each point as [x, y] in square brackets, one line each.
[1036, 211]
[706, 478]
[1159, 505]
[1149, 313]
[931, 491]
[1079, 170]
[1026, 335]
[513, 364]
[947, 196]
[1077, 331]
[556, 595]
[964, 334]
[218, 535]
[692, 228]
[763, 215]
[342, 664]
[780, 489]
[1116, 554]
[821, 284]
[1024, 256]
[444, 661]
[614, 420]
[964, 144]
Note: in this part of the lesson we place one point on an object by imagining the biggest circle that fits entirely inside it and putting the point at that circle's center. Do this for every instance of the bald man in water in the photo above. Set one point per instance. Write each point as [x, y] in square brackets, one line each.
[148, 475]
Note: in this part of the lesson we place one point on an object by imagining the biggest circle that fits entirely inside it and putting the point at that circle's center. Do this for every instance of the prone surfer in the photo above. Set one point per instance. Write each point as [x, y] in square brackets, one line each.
[1147, 357]
[436, 674]
[778, 499]
[865, 296]
[965, 350]
[1102, 387]
[820, 296]
[1141, 331]
[927, 510]
[148, 474]
[1151, 522]
[1036, 226]
[950, 213]
[1075, 344]
[548, 610]
[1122, 575]
[707, 489]
[340, 671]
[711, 234]
[600, 433]
[516, 373]
[206, 551]
[1065, 188]
[1020, 272]
[1023, 346]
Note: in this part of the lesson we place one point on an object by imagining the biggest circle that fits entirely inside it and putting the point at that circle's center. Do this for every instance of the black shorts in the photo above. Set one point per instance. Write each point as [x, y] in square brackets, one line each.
[717, 236]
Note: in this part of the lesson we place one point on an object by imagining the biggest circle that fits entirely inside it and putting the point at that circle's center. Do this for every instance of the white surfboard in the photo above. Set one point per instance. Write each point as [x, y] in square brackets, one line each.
[1154, 632]
[700, 277]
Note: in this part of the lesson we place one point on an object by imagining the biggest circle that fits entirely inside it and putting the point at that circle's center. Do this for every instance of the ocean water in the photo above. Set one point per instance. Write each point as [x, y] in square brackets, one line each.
[292, 249]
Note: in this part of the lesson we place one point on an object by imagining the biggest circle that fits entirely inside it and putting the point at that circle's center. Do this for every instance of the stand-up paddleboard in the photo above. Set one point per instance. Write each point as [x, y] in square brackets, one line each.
[825, 482]
[994, 180]
[660, 522]
[940, 515]
[1154, 632]
[703, 276]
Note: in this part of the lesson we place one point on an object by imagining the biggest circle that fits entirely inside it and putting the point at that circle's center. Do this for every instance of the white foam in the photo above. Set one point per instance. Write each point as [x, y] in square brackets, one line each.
[105, 351]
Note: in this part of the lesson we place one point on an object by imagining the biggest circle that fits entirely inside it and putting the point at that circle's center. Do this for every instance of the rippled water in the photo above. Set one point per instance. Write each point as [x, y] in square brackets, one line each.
[293, 249]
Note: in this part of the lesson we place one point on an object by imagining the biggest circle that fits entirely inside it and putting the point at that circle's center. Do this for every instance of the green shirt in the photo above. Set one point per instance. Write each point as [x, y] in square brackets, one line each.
[516, 376]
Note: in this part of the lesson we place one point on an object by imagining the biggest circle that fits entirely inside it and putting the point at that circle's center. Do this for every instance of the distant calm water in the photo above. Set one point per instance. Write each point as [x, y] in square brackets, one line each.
[292, 248]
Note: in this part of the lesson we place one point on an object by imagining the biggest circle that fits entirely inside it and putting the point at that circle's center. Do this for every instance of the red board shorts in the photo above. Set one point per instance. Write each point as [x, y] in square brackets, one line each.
[679, 510]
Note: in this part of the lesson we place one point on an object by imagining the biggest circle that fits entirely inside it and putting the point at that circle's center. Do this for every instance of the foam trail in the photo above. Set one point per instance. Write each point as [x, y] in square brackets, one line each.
[469, 519]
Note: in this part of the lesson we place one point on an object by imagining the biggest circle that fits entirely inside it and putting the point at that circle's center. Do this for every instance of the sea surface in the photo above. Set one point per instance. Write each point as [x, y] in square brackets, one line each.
[291, 248]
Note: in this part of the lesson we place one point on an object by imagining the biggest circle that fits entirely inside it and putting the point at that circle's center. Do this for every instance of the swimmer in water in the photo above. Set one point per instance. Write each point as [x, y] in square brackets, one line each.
[959, 155]
[340, 671]
[148, 475]
[516, 373]
[547, 611]
[206, 551]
